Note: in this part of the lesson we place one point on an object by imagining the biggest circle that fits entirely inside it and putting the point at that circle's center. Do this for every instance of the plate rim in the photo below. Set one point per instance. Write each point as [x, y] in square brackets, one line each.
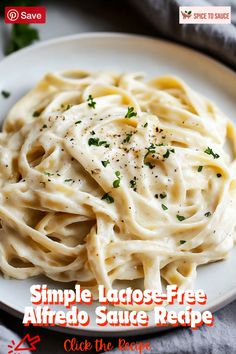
[102, 34]
[222, 300]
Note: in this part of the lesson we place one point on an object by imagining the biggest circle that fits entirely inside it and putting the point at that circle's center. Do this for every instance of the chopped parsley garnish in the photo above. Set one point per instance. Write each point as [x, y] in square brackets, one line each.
[68, 180]
[108, 198]
[92, 132]
[180, 217]
[78, 122]
[48, 174]
[208, 214]
[151, 149]
[5, 94]
[209, 151]
[199, 168]
[164, 207]
[162, 195]
[219, 175]
[145, 125]
[36, 114]
[97, 142]
[167, 154]
[44, 126]
[116, 183]
[130, 113]
[133, 183]
[91, 102]
[105, 163]
[182, 242]
[128, 137]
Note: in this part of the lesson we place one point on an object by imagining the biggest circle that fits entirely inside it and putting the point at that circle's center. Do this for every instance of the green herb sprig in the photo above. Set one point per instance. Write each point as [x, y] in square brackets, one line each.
[167, 153]
[180, 217]
[182, 242]
[130, 113]
[116, 183]
[209, 151]
[105, 163]
[98, 142]
[108, 198]
[199, 168]
[91, 102]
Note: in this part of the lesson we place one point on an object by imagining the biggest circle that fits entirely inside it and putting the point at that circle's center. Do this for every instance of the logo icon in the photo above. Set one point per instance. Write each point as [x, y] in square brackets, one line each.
[25, 14]
[26, 343]
[204, 14]
[186, 14]
[12, 15]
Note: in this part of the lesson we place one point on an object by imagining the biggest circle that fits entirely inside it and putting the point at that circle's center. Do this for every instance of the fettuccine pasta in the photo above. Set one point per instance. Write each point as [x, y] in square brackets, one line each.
[108, 178]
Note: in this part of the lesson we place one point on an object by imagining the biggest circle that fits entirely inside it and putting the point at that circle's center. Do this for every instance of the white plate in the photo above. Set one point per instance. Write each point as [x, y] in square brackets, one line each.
[102, 51]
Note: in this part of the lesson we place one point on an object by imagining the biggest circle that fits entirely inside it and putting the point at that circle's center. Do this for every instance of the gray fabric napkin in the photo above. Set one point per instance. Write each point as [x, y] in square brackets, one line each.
[214, 39]
[219, 339]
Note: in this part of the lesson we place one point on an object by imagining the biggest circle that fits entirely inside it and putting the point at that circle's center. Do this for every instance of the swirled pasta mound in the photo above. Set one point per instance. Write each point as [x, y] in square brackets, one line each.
[108, 178]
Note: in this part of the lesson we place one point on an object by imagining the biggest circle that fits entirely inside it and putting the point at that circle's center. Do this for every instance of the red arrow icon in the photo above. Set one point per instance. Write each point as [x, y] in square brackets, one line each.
[29, 343]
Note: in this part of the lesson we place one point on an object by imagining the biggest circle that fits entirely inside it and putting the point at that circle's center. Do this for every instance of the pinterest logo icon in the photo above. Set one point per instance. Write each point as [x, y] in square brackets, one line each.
[25, 14]
[12, 15]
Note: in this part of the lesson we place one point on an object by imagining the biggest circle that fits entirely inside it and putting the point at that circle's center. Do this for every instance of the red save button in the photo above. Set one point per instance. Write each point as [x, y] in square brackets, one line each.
[25, 14]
